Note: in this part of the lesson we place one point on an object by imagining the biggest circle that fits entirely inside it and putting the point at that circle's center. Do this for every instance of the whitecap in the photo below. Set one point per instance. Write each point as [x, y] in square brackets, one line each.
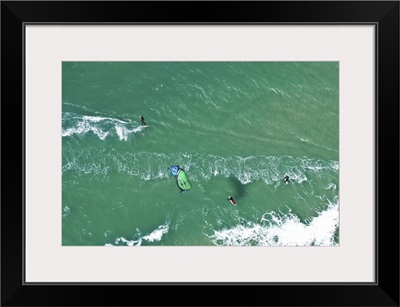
[155, 235]
[283, 230]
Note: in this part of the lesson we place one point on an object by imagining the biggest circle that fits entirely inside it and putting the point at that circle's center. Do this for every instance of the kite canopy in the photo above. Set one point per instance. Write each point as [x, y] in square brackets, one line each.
[174, 169]
[181, 178]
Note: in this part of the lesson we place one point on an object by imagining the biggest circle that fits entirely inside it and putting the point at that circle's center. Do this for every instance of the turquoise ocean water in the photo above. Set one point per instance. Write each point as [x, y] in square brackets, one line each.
[236, 128]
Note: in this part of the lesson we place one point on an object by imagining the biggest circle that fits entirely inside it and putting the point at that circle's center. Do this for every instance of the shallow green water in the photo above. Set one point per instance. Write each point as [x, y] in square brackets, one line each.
[236, 128]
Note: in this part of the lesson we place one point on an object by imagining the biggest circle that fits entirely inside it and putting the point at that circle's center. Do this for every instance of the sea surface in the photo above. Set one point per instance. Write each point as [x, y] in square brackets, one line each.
[236, 128]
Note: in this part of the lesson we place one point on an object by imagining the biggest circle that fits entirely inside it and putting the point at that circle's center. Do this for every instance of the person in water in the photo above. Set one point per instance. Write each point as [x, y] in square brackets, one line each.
[230, 198]
[142, 119]
[286, 178]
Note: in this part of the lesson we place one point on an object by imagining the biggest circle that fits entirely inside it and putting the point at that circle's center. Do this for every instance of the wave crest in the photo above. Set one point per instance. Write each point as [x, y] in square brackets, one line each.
[81, 125]
[276, 229]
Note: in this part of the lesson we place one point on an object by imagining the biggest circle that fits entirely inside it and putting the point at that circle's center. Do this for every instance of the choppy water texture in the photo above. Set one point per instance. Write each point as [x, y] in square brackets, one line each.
[236, 128]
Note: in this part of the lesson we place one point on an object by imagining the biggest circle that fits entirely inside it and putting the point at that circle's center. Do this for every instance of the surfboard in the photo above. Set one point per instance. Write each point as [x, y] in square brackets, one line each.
[232, 201]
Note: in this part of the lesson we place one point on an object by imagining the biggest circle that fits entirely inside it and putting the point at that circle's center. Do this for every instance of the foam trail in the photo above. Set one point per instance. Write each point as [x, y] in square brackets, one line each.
[155, 235]
[123, 132]
[75, 124]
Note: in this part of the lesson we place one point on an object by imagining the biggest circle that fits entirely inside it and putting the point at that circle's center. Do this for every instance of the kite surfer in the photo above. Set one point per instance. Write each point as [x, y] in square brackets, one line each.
[142, 119]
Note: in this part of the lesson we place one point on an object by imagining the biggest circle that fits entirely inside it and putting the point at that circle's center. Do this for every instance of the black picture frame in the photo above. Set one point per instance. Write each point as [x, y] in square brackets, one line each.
[383, 14]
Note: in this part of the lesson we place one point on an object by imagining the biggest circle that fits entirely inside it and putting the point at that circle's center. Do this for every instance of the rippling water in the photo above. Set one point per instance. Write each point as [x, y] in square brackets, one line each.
[236, 128]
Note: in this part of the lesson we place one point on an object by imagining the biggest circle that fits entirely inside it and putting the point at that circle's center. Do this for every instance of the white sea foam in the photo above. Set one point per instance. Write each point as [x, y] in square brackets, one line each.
[155, 235]
[283, 230]
[75, 124]
[99, 118]
[66, 211]
[331, 186]
[83, 127]
[123, 132]
[200, 167]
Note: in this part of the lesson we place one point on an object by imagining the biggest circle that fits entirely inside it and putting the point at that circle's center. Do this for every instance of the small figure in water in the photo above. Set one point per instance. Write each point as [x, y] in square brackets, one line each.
[142, 119]
[233, 202]
[286, 178]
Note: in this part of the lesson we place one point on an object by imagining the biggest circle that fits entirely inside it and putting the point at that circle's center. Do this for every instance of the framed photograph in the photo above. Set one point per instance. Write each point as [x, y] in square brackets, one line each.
[240, 146]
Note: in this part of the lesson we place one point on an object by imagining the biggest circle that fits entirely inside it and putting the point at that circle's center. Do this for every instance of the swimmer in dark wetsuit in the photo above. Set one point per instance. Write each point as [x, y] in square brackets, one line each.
[286, 179]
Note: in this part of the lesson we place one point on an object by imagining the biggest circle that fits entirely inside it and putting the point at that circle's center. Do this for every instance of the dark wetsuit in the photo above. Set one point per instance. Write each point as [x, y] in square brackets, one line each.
[142, 119]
